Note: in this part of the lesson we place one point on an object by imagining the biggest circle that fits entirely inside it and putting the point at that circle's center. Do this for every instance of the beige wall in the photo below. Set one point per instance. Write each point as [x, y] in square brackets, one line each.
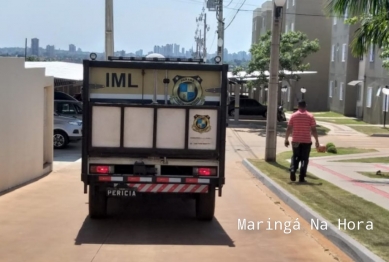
[26, 123]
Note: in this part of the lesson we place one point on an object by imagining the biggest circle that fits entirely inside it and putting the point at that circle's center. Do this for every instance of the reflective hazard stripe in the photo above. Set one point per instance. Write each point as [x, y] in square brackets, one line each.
[169, 188]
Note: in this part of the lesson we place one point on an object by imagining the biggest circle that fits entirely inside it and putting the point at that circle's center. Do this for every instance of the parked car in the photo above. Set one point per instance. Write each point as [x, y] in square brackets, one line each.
[63, 96]
[248, 106]
[66, 130]
[68, 108]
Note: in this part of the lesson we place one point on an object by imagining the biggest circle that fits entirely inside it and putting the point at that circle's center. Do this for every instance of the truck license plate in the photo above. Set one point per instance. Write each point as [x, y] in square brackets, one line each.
[121, 192]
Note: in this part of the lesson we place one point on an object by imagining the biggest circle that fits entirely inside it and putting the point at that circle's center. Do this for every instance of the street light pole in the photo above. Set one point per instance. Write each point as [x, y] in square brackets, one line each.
[283, 90]
[303, 90]
[271, 127]
[220, 31]
[109, 37]
[385, 91]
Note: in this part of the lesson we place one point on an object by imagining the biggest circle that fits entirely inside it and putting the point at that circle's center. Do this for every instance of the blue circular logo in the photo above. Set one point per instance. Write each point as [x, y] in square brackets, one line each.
[187, 91]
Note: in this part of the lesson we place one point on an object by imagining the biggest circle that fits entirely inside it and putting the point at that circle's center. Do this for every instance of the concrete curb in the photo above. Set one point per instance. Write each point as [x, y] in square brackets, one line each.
[348, 245]
[380, 135]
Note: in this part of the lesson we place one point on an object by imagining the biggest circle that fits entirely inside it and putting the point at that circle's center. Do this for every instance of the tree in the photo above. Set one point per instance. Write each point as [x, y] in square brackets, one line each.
[373, 17]
[32, 58]
[295, 47]
[237, 70]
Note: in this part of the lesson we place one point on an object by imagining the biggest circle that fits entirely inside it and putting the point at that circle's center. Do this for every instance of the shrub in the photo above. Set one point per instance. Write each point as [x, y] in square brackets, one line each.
[329, 145]
[332, 149]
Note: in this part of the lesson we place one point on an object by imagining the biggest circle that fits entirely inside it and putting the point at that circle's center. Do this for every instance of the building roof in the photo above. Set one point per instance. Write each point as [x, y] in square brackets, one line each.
[63, 70]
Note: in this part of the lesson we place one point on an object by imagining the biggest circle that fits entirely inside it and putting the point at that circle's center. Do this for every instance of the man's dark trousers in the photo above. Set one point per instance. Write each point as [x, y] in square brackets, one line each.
[301, 153]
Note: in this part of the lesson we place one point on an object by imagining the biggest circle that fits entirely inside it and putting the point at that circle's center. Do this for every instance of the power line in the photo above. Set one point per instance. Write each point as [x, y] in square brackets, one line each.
[235, 15]
[229, 3]
[254, 10]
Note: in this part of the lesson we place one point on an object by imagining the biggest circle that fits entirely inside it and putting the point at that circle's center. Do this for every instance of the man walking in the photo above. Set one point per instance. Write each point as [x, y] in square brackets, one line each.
[302, 126]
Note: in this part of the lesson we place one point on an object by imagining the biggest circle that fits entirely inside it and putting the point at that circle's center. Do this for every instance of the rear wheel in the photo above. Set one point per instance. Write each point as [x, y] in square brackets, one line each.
[205, 205]
[97, 203]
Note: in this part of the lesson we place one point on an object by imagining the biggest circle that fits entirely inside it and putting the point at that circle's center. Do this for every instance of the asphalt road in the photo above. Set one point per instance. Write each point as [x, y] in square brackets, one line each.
[48, 221]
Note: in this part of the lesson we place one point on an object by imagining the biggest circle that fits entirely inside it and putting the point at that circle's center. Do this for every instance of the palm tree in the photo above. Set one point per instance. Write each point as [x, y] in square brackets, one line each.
[373, 16]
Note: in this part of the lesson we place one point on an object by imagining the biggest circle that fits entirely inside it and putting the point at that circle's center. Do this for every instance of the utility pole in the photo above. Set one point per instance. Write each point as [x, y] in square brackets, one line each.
[220, 30]
[205, 38]
[271, 126]
[109, 36]
[201, 41]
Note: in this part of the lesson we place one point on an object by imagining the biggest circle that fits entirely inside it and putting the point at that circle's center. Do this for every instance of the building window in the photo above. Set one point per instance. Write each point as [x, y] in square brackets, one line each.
[286, 28]
[294, 2]
[287, 4]
[292, 27]
[333, 53]
[344, 53]
[331, 88]
[341, 91]
[369, 96]
[346, 14]
[371, 53]
[385, 106]
[335, 20]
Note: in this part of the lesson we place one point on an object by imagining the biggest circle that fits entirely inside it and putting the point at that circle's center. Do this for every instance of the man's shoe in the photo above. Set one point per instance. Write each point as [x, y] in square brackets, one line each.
[292, 176]
[301, 179]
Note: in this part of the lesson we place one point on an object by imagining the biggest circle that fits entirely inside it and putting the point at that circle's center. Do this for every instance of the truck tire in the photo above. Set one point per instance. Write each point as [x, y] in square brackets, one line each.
[205, 205]
[97, 203]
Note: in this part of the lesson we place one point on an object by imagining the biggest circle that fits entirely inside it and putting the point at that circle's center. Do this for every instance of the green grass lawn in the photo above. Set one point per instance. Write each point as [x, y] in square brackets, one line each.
[334, 203]
[327, 114]
[383, 160]
[375, 175]
[341, 151]
[342, 121]
[369, 130]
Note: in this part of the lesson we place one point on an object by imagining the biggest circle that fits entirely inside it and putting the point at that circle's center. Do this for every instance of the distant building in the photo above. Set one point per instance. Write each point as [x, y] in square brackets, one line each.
[35, 46]
[139, 53]
[50, 50]
[72, 48]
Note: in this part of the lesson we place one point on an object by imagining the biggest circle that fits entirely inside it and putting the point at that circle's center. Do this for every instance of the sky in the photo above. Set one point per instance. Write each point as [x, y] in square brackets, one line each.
[138, 24]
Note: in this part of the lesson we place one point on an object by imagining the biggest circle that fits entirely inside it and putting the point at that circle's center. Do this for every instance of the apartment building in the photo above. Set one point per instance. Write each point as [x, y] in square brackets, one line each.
[35, 46]
[344, 68]
[355, 87]
[306, 16]
[261, 21]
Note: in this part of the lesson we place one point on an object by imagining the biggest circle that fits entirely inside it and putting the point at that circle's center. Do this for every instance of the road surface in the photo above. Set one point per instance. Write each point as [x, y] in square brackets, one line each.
[47, 221]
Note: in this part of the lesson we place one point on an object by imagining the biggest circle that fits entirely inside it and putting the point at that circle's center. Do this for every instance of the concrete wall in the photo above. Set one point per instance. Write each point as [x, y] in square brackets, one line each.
[26, 130]
[376, 77]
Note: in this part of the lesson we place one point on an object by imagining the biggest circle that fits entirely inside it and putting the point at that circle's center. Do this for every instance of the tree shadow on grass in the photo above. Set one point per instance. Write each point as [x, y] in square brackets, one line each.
[260, 128]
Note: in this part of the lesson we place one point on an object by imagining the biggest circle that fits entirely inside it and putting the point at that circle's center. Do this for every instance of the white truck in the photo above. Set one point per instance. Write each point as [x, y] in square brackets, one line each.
[153, 126]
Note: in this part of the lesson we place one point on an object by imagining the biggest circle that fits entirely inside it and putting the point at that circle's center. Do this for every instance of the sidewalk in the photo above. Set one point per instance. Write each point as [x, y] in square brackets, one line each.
[342, 174]
[345, 175]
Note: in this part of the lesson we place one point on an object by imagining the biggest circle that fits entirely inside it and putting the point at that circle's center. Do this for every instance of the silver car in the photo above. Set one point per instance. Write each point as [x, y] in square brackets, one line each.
[66, 130]
[68, 108]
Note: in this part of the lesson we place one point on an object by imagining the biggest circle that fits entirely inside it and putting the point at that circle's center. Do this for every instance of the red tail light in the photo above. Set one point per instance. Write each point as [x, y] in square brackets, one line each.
[101, 169]
[204, 171]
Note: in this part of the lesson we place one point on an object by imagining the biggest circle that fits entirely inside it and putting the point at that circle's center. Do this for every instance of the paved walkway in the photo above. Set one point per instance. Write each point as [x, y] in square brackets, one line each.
[346, 175]
[251, 144]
